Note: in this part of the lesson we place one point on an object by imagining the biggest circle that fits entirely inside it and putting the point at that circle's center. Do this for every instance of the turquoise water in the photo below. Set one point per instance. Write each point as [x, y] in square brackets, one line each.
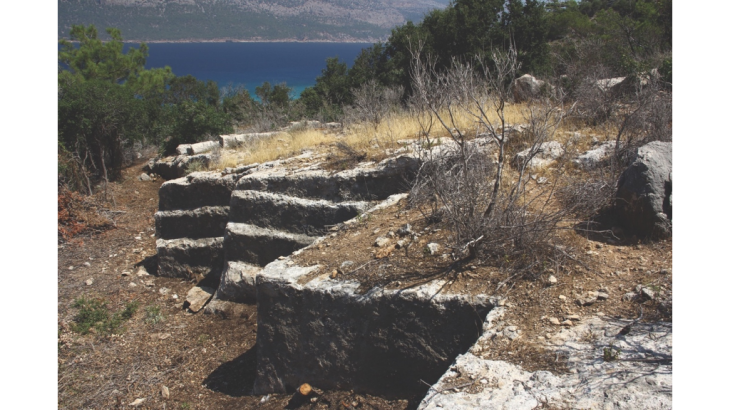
[250, 64]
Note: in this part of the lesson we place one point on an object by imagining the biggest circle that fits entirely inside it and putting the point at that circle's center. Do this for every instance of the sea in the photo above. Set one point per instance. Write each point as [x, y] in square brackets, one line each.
[251, 64]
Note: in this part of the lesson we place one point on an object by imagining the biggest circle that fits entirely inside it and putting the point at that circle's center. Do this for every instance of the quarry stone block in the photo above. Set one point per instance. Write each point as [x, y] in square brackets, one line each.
[204, 222]
[325, 333]
[259, 246]
[238, 282]
[202, 147]
[190, 258]
[197, 190]
[366, 182]
[289, 213]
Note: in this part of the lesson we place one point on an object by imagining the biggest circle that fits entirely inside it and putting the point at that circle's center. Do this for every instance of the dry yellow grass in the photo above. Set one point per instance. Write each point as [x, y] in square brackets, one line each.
[365, 138]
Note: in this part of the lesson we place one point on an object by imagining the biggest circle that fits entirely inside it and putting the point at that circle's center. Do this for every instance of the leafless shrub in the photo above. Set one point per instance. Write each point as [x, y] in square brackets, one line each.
[492, 212]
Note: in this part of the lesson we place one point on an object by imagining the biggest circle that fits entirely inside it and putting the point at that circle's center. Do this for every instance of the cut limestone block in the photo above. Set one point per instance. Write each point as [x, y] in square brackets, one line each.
[202, 147]
[235, 140]
[238, 282]
[197, 190]
[324, 333]
[289, 213]
[176, 167]
[366, 182]
[205, 222]
[190, 258]
[259, 246]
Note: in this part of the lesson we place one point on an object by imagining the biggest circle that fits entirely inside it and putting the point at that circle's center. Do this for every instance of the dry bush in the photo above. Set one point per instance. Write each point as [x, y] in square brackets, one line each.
[493, 212]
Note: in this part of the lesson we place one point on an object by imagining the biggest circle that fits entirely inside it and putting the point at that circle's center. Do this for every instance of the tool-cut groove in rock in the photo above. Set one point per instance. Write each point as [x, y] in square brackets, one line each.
[292, 214]
[204, 222]
[382, 342]
[259, 246]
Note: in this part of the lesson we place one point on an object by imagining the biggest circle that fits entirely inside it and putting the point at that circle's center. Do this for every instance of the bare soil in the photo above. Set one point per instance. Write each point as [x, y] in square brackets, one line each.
[204, 361]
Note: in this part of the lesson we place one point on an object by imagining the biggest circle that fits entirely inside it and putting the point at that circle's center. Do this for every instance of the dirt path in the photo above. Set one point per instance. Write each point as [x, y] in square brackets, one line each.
[204, 361]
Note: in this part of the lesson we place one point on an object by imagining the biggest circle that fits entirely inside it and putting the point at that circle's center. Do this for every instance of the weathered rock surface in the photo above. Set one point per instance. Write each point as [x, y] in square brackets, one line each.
[383, 342]
[644, 195]
[366, 182]
[197, 190]
[527, 88]
[190, 258]
[640, 379]
[607, 84]
[543, 156]
[204, 222]
[593, 157]
[289, 213]
[238, 282]
[259, 246]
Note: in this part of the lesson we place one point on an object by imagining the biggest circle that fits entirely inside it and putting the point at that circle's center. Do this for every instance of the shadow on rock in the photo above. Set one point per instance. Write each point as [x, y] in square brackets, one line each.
[150, 264]
[236, 377]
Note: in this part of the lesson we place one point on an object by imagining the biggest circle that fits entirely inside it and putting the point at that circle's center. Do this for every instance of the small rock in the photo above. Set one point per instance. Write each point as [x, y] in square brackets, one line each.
[573, 318]
[405, 230]
[562, 297]
[433, 247]
[125, 273]
[390, 234]
[142, 272]
[165, 392]
[132, 285]
[70, 268]
[587, 299]
[346, 264]
[601, 295]
[400, 244]
[566, 323]
[89, 281]
[334, 273]
[144, 177]
[197, 297]
[137, 402]
[382, 241]
[174, 296]
[163, 291]
[281, 258]
[552, 280]
[628, 296]
[139, 238]
[87, 264]
[647, 293]
[554, 321]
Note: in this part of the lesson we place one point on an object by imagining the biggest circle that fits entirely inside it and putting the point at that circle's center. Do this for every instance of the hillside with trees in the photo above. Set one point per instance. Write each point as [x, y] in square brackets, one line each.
[205, 20]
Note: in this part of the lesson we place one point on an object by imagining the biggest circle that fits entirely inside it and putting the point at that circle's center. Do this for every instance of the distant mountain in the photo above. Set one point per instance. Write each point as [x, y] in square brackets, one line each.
[248, 20]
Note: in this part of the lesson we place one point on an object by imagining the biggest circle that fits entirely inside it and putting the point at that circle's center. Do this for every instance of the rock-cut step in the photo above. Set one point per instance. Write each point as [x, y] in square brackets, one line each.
[190, 258]
[204, 222]
[259, 246]
[291, 214]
